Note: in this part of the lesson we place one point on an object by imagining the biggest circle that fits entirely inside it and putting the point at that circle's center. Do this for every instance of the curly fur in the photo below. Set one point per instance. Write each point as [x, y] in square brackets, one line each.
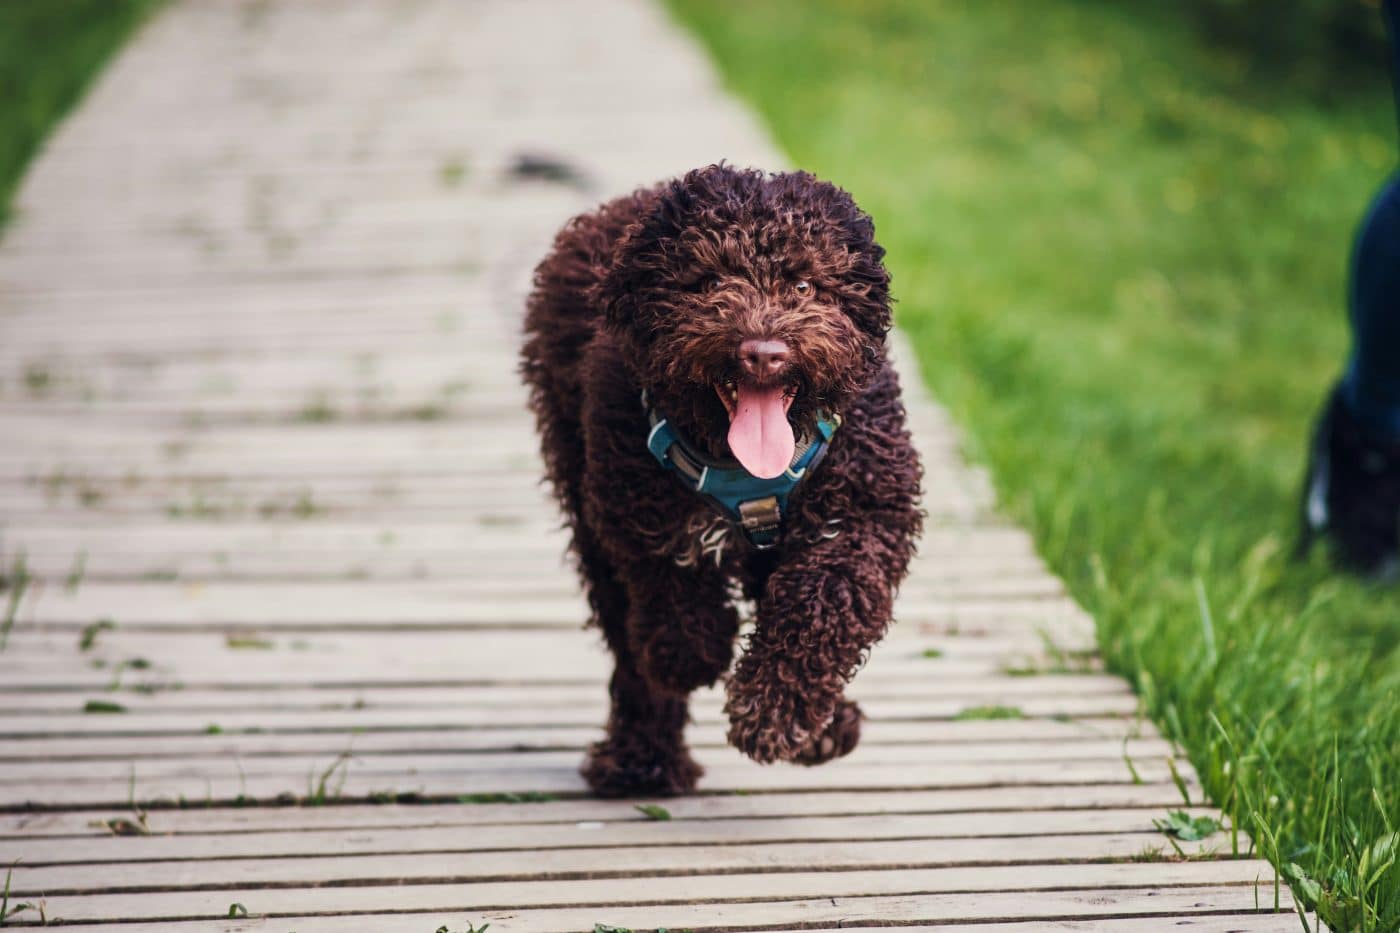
[655, 291]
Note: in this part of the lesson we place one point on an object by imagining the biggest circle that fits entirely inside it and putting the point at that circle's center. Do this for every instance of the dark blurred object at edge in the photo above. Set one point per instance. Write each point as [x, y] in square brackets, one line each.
[1320, 45]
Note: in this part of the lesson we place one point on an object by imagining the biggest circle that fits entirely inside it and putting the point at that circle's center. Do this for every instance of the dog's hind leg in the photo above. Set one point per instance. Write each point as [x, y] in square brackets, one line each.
[643, 753]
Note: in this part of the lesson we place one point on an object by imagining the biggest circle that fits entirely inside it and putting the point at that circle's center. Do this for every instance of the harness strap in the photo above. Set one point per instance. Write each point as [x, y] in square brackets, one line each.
[756, 506]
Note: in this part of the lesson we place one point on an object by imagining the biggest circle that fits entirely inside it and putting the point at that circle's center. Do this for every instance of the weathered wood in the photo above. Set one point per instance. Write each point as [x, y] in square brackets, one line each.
[351, 762]
[548, 695]
[154, 599]
[170, 668]
[887, 699]
[50, 662]
[414, 923]
[235, 820]
[466, 863]
[909, 909]
[393, 564]
[672, 890]
[225, 786]
[998, 738]
[587, 834]
[494, 716]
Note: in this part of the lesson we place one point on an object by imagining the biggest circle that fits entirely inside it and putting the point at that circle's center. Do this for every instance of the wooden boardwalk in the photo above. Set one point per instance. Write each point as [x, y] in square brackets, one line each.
[290, 633]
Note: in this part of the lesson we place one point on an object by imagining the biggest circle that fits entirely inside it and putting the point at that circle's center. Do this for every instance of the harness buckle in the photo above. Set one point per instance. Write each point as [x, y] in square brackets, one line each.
[761, 519]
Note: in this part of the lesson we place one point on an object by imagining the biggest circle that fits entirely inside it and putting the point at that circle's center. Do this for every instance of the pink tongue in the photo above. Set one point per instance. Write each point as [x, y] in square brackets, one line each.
[759, 433]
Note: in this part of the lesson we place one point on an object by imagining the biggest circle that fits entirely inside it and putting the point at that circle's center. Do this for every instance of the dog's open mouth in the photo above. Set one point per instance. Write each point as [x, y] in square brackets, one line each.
[760, 436]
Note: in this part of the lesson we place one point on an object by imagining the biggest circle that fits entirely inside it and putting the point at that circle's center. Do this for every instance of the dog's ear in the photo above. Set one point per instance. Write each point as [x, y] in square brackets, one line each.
[867, 296]
[847, 240]
[627, 294]
[643, 257]
[615, 293]
[873, 278]
[868, 300]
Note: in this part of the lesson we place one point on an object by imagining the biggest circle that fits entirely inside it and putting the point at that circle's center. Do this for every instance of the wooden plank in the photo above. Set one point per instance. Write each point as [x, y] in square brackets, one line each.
[203, 659]
[148, 663]
[479, 594]
[600, 861]
[1026, 623]
[886, 700]
[457, 375]
[152, 597]
[350, 761]
[819, 912]
[588, 834]
[73, 507]
[936, 544]
[995, 738]
[414, 923]
[388, 564]
[981, 543]
[251, 658]
[151, 600]
[466, 716]
[546, 696]
[731, 775]
[670, 890]
[399, 923]
[523, 750]
[1153, 798]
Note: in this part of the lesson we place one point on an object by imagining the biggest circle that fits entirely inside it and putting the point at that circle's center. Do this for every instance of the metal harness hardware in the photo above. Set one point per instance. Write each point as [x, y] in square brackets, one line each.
[756, 506]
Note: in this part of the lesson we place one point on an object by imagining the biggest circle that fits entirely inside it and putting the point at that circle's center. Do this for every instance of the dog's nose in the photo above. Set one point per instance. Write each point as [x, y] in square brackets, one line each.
[762, 358]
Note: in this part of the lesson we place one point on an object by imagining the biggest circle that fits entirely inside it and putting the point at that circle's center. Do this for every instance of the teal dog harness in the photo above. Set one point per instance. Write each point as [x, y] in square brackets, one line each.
[756, 506]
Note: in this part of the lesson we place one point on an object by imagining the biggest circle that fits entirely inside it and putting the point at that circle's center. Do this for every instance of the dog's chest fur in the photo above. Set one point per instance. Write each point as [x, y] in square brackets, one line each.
[707, 542]
[704, 538]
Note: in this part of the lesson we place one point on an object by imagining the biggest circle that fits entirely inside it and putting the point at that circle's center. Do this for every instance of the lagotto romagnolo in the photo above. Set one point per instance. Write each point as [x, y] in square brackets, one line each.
[706, 361]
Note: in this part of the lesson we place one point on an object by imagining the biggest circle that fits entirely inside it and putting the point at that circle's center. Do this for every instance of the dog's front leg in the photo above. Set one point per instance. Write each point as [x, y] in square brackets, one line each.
[822, 609]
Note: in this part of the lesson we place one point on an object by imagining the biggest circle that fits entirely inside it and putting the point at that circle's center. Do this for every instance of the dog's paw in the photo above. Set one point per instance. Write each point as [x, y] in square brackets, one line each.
[837, 740]
[678, 663]
[774, 723]
[619, 768]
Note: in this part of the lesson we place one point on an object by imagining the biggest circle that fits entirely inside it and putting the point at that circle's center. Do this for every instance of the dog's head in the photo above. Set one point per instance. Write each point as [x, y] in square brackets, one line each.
[748, 303]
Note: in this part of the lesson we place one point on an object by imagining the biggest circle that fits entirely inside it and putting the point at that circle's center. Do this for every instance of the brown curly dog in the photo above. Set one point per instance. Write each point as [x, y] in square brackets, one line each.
[740, 318]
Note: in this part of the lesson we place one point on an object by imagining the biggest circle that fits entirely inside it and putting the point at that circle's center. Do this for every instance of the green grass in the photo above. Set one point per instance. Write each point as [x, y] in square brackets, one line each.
[49, 52]
[990, 712]
[1122, 262]
[653, 812]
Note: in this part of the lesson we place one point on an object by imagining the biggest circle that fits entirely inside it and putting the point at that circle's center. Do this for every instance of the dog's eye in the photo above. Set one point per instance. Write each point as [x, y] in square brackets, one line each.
[708, 284]
[803, 288]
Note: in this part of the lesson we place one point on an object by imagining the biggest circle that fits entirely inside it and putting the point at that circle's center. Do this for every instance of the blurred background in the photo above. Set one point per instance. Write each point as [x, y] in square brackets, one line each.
[1119, 235]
